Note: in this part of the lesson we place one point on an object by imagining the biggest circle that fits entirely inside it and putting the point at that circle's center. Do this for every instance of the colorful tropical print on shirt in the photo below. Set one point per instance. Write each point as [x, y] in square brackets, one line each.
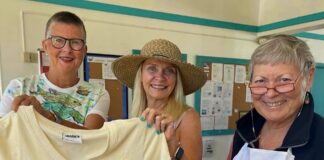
[70, 104]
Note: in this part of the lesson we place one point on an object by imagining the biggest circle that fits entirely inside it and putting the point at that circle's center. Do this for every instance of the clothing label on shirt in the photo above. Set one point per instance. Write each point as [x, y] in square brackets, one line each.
[71, 138]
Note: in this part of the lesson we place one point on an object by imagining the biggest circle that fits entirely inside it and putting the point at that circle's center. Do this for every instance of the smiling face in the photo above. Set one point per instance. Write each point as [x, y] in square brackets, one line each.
[158, 79]
[64, 60]
[274, 106]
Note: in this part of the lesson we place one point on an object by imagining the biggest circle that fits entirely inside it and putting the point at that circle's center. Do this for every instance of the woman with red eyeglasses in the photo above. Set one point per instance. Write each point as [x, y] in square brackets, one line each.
[282, 124]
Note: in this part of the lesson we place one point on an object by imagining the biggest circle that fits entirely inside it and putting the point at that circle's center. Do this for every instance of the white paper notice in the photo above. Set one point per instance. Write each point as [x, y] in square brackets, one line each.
[217, 89]
[229, 73]
[96, 59]
[227, 98]
[221, 122]
[240, 74]
[205, 106]
[206, 90]
[206, 69]
[228, 90]
[217, 72]
[206, 99]
[107, 72]
[100, 82]
[248, 96]
[217, 106]
[209, 148]
[227, 106]
[207, 123]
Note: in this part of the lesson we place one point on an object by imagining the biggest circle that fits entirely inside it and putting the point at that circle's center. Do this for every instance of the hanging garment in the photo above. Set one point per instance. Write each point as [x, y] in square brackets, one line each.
[28, 135]
[247, 153]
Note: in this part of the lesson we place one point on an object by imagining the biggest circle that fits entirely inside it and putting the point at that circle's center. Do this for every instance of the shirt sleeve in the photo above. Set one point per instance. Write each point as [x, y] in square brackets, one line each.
[13, 89]
[102, 106]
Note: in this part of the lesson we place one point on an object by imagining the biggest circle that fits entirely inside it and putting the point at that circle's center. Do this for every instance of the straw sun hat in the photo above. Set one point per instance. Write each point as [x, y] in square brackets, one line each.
[125, 67]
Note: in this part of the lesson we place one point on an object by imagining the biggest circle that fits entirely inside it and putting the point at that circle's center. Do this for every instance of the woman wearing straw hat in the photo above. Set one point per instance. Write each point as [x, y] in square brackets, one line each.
[160, 80]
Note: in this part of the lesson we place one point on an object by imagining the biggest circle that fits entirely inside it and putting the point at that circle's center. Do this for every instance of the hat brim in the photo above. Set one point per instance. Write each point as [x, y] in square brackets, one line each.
[125, 69]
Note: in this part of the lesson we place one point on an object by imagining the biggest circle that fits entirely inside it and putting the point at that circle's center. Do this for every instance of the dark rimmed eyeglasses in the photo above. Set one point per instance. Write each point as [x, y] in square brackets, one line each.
[281, 88]
[59, 42]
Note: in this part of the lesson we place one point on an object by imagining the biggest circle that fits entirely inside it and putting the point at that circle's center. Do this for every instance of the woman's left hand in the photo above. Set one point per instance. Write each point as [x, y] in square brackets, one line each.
[162, 122]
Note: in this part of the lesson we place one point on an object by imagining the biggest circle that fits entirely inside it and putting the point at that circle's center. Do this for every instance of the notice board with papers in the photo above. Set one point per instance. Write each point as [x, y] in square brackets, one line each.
[97, 69]
[225, 96]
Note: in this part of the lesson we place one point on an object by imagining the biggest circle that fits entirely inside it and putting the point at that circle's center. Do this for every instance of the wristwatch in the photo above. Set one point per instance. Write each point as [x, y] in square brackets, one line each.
[179, 153]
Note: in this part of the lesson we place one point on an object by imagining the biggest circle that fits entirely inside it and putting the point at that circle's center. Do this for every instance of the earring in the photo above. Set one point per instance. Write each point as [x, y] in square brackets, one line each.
[306, 101]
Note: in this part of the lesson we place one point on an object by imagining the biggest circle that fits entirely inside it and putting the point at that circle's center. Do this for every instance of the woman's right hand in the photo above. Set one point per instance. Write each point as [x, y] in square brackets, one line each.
[25, 100]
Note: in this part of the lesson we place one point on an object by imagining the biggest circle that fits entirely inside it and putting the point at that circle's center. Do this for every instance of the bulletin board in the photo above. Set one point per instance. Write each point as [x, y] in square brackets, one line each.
[240, 105]
[97, 69]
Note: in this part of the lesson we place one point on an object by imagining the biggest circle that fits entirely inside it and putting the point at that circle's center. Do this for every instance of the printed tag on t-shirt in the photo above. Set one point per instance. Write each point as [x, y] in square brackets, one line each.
[71, 138]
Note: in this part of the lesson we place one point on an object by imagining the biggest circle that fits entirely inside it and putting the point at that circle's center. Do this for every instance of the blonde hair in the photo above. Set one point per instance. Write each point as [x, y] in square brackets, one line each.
[175, 106]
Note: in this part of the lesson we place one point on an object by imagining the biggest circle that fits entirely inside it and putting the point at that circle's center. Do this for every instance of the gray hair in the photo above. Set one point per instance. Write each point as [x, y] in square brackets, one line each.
[67, 18]
[286, 49]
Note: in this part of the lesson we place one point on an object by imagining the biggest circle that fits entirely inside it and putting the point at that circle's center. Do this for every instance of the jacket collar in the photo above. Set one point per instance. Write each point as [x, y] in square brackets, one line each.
[297, 135]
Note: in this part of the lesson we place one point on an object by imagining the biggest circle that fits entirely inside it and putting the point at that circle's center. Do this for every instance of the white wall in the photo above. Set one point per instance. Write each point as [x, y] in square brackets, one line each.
[278, 10]
[317, 49]
[23, 23]
[223, 10]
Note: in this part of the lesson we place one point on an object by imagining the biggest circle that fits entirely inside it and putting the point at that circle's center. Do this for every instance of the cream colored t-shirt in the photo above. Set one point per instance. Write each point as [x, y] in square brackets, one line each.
[28, 135]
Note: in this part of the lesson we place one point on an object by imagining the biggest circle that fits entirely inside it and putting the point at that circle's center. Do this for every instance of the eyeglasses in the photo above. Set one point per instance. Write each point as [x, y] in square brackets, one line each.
[281, 88]
[59, 42]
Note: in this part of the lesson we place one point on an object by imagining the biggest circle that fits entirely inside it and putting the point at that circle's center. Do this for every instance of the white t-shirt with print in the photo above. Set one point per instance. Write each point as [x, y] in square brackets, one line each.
[72, 104]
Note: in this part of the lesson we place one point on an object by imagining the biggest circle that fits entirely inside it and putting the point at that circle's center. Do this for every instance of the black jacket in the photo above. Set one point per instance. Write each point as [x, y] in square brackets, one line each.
[305, 136]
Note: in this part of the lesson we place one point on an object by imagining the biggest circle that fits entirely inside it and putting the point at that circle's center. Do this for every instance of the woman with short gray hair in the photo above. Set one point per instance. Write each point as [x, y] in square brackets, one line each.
[282, 123]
